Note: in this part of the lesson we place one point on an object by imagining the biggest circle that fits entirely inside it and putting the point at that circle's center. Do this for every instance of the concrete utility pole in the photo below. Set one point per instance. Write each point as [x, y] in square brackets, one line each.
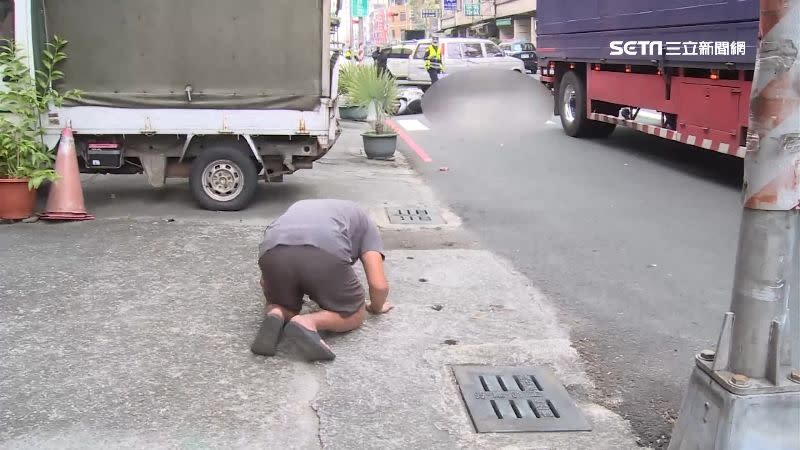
[746, 394]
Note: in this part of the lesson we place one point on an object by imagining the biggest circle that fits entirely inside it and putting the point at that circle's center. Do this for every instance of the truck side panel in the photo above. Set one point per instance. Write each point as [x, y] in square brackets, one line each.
[580, 16]
[233, 54]
[595, 46]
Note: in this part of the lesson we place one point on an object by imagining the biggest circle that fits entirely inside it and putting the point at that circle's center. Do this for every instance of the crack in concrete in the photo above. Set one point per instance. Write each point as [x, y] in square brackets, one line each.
[315, 408]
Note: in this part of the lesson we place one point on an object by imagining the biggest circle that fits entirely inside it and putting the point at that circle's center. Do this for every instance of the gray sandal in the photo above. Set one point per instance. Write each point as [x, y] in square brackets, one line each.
[308, 342]
[266, 341]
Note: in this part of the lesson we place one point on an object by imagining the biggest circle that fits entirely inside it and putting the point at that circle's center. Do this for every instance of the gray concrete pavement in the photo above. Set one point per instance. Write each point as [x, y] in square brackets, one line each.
[632, 237]
[133, 330]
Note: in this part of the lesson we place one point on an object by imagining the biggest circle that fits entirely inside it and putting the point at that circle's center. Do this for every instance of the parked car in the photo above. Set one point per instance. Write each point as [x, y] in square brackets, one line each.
[524, 51]
[458, 54]
[397, 59]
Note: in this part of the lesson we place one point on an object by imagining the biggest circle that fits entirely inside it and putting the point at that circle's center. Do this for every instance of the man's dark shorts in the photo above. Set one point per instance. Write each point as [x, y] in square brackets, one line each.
[291, 271]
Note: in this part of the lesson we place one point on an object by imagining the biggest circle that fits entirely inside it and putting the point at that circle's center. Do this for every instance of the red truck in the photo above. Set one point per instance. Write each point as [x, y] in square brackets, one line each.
[691, 61]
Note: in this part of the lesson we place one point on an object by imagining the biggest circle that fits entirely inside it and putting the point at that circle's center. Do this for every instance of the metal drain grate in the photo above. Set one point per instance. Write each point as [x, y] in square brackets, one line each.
[515, 399]
[412, 216]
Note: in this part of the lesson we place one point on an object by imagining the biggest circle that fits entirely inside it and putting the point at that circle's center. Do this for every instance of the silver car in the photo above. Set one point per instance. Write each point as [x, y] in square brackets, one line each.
[458, 54]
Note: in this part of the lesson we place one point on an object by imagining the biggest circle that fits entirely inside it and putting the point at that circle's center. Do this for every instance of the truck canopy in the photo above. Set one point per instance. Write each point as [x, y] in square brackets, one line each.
[242, 54]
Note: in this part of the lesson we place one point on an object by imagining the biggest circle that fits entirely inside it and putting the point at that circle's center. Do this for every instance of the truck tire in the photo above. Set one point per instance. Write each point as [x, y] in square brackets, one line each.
[223, 179]
[571, 104]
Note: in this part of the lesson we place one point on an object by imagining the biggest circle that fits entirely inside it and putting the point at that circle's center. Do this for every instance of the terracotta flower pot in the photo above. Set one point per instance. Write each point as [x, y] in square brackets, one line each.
[16, 201]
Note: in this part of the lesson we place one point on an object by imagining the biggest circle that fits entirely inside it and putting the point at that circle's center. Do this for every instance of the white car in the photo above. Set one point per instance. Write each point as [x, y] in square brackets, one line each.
[457, 54]
[397, 59]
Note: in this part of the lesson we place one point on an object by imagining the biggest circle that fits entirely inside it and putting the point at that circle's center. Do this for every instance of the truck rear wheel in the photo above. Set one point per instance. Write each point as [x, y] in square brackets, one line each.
[571, 102]
[223, 179]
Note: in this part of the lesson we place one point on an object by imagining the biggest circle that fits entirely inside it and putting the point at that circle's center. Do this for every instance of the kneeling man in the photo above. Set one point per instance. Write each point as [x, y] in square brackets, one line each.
[310, 250]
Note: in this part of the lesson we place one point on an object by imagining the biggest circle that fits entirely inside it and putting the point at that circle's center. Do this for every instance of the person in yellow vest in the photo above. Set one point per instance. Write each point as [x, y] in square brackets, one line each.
[348, 54]
[433, 60]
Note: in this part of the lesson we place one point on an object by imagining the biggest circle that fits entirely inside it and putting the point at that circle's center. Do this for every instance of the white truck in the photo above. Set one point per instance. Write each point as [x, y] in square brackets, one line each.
[226, 93]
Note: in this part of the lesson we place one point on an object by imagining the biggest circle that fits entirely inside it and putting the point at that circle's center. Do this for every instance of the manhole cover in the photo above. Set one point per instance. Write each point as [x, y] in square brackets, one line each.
[515, 399]
[413, 216]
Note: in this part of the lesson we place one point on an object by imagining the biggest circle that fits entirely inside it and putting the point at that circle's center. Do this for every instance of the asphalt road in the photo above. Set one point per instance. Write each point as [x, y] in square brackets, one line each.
[632, 237]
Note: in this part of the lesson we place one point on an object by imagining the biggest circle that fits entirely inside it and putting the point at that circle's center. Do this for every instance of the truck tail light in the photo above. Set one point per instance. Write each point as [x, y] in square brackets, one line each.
[572, 66]
[597, 67]
[628, 68]
[714, 74]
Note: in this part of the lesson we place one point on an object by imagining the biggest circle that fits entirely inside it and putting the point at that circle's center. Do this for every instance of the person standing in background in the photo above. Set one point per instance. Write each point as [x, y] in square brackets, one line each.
[433, 60]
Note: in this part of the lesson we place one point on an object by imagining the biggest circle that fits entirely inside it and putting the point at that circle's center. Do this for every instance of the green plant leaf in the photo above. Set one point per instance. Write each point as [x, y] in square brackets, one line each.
[27, 97]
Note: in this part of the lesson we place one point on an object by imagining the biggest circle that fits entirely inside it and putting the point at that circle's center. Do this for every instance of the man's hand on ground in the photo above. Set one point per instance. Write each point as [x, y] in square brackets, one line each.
[386, 307]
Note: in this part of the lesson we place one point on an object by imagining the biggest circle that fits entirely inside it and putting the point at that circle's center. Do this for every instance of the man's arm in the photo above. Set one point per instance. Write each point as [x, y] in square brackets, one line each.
[376, 279]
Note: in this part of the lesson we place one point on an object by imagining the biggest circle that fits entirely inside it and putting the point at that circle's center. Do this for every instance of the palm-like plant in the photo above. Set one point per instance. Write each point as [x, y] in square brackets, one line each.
[367, 88]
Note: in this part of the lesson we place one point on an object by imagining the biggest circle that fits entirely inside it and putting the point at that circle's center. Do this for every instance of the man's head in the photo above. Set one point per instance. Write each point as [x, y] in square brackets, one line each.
[435, 40]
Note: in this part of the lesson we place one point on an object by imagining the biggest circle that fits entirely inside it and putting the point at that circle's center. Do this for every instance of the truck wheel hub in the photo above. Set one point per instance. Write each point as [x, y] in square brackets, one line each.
[222, 180]
[569, 103]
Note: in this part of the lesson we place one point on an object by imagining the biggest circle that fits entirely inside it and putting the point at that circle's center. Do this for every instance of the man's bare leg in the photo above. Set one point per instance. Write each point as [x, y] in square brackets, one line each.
[279, 311]
[305, 329]
[275, 316]
[275, 310]
[330, 321]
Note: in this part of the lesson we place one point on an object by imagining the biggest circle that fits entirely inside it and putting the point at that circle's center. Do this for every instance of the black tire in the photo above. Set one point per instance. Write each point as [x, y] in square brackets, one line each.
[237, 179]
[571, 104]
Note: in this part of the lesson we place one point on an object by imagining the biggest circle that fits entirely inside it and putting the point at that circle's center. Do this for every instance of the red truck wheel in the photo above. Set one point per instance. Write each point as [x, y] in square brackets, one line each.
[571, 102]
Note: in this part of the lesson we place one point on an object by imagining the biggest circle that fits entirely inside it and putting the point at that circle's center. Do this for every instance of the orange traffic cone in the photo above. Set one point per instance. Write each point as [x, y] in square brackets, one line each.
[66, 195]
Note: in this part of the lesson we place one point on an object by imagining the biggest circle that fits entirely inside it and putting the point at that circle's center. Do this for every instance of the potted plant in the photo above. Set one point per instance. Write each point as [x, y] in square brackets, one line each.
[348, 111]
[25, 160]
[377, 92]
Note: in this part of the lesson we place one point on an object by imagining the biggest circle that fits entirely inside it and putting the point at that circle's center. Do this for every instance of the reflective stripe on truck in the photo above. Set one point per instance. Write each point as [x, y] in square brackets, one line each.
[708, 144]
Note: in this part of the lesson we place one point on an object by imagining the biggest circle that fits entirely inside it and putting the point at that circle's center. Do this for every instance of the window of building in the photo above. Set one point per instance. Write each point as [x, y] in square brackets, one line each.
[6, 19]
[402, 17]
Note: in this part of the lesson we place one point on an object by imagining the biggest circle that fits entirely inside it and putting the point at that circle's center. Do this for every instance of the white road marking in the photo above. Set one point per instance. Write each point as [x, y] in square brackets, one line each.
[412, 124]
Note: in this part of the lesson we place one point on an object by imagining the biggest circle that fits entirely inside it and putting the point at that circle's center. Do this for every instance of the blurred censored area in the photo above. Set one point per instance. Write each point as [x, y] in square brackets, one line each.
[482, 101]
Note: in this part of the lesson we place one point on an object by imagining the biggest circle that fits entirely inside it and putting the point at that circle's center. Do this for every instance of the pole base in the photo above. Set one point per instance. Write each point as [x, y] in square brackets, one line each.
[712, 417]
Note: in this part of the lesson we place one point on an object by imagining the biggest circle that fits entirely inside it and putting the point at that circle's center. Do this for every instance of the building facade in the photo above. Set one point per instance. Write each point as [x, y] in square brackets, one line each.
[504, 20]
[516, 19]
[398, 21]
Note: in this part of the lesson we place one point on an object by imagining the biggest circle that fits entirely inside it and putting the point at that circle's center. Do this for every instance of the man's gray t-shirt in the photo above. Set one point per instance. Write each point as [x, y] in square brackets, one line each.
[338, 227]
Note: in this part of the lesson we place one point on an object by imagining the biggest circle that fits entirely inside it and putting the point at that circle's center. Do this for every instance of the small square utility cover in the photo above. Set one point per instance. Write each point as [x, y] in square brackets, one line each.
[413, 215]
[517, 399]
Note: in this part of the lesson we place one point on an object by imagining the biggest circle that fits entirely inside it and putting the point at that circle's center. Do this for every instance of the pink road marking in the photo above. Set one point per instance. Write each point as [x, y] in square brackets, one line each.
[423, 155]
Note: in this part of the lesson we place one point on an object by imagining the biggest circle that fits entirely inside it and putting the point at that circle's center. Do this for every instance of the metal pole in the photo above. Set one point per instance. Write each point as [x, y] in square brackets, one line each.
[746, 394]
[768, 244]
